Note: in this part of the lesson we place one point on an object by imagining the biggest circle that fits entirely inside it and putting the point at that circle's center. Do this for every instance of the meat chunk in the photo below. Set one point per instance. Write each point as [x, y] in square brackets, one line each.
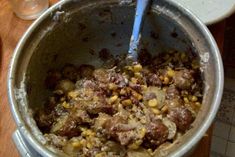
[69, 71]
[94, 104]
[44, 120]
[125, 137]
[173, 103]
[99, 105]
[183, 79]
[111, 125]
[92, 101]
[157, 133]
[68, 125]
[90, 84]
[116, 127]
[101, 75]
[86, 84]
[182, 117]
[153, 80]
[124, 132]
[135, 87]
[86, 71]
[118, 79]
[172, 92]
[81, 116]
[173, 97]
[96, 108]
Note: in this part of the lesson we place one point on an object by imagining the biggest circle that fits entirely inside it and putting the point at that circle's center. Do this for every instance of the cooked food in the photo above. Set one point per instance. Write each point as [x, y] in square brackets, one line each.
[120, 110]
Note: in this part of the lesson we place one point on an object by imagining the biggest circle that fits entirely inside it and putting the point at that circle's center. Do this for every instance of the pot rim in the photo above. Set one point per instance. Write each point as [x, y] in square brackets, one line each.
[182, 150]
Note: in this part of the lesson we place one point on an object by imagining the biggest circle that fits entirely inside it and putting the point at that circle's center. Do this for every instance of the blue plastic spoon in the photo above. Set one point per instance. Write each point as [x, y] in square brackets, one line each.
[141, 8]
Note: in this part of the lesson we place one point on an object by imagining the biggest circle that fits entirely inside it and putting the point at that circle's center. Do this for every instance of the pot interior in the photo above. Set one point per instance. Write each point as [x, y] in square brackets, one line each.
[75, 31]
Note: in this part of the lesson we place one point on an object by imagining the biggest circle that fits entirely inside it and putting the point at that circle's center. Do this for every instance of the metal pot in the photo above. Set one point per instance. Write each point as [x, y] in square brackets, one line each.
[72, 31]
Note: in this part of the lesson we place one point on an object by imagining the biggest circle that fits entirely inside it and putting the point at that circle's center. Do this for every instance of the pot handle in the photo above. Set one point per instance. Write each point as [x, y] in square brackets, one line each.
[23, 147]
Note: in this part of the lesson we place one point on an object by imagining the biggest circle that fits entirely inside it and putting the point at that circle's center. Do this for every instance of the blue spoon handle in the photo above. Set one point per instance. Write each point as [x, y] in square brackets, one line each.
[141, 8]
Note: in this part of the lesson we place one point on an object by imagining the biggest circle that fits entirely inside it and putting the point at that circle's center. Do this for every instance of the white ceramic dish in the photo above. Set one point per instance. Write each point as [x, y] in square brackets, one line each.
[210, 11]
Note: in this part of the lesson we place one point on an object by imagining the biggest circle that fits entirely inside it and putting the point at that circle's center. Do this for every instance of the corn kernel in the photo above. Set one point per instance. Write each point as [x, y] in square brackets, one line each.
[129, 68]
[134, 80]
[144, 87]
[184, 92]
[65, 105]
[112, 86]
[186, 100]
[150, 151]
[134, 108]
[62, 99]
[152, 103]
[89, 145]
[166, 80]
[164, 109]
[96, 98]
[194, 98]
[171, 73]
[73, 94]
[126, 102]
[83, 142]
[164, 89]
[123, 91]
[77, 144]
[161, 77]
[113, 99]
[198, 104]
[143, 121]
[102, 154]
[135, 145]
[115, 93]
[156, 111]
[137, 95]
[142, 132]
[131, 116]
[137, 68]
[58, 91]
[83, 129]
[88, 132]
[138, 75]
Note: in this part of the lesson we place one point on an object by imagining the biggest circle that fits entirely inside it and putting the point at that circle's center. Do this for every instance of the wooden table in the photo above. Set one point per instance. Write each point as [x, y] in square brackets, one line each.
[11, 29]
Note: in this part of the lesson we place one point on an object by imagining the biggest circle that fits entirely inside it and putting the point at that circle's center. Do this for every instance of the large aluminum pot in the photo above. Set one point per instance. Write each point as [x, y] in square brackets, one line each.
[73, 31]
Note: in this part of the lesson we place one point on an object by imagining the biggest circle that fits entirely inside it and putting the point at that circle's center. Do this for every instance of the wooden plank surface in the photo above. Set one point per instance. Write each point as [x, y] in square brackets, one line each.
[11, 29]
